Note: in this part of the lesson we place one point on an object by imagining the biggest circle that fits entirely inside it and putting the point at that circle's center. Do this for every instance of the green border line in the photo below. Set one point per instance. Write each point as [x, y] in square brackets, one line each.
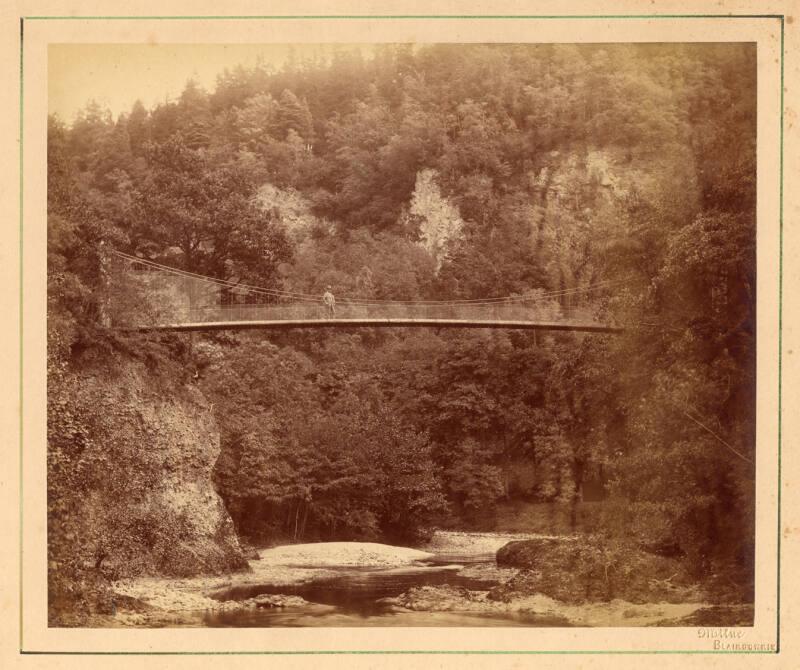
[21, 285]
[401, 17]
[780, 350]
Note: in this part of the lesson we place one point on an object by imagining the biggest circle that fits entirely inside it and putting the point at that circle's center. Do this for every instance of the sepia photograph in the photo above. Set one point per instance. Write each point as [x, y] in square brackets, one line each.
[401, 335]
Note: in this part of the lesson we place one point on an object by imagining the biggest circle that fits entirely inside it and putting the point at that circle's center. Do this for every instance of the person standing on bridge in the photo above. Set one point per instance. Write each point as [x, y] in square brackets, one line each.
[329, 301]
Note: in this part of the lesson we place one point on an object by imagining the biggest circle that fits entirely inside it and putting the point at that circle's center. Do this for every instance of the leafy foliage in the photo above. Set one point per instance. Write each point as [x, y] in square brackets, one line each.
[615, 178]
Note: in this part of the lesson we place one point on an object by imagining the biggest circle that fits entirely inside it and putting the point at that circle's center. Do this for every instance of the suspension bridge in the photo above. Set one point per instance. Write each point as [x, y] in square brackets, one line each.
[148, 296]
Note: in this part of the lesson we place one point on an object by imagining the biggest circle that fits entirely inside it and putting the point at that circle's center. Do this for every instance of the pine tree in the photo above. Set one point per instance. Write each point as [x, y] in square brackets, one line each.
[194, 114]
[138, 128]
[113, 160]
[293, 114]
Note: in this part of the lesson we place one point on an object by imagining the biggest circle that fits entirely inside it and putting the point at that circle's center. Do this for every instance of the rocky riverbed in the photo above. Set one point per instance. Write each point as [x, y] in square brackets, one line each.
[278, 566]
[455, 580]
[613, 613]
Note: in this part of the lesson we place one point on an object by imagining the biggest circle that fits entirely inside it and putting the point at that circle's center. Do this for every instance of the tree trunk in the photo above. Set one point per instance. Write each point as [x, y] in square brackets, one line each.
[305, 518]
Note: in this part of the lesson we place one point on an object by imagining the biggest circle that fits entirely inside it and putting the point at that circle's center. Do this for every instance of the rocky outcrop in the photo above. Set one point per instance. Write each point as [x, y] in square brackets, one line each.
[132, 453]
[442, 599]
[529, 553]
[590, 569]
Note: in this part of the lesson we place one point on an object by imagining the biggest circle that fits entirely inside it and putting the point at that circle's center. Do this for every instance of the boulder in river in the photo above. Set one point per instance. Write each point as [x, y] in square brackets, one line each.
[268, 600]
[441, 599]
[590, 569]
[529, 553]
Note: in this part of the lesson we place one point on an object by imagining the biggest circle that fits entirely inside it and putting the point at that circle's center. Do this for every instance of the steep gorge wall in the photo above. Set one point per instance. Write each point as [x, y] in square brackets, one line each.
[131, 455]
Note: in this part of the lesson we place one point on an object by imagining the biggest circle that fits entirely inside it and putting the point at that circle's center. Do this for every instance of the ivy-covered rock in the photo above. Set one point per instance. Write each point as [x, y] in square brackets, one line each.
[129, 481]
[590, 568]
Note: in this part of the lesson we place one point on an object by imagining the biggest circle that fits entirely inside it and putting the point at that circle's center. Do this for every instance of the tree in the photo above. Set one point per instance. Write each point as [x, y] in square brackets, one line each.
[194, 116]
[292, 114]
[59, 169]
[472, 481]
[138, 128]
[208, 211]
[254, 121]
[164, 121]
[113, 161]
[90, 128]
[306, 456]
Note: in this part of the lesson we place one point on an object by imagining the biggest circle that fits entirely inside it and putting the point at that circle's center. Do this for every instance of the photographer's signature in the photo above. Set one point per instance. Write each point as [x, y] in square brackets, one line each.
[732, 639]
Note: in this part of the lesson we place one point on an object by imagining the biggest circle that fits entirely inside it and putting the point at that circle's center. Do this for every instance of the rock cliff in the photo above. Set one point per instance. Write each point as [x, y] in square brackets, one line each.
[131, 454]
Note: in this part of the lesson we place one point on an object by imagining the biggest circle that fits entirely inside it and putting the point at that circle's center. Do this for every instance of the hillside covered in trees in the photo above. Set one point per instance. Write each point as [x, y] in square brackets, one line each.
[436, 172]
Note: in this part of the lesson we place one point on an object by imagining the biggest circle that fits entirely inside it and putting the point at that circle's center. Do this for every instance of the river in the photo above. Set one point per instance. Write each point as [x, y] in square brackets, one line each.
[362, 596]
[444, 583]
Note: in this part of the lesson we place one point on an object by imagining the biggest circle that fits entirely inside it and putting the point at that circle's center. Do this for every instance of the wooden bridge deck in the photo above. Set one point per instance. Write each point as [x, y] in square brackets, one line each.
[283, 324]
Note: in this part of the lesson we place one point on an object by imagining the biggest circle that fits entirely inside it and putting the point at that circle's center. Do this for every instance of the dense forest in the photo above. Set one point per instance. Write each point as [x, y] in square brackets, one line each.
[440, 172]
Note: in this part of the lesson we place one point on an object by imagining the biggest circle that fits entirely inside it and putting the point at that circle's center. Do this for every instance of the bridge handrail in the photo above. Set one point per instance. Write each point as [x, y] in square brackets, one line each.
[532, 296]
[161, 294]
